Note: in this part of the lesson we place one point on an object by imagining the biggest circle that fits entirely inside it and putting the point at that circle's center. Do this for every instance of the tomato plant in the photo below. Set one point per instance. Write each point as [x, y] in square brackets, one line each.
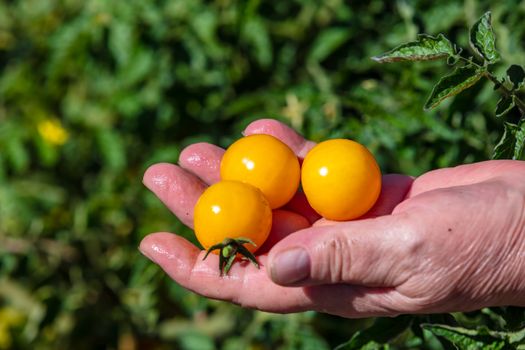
[341, 179]
[228, 215]
[266, 163]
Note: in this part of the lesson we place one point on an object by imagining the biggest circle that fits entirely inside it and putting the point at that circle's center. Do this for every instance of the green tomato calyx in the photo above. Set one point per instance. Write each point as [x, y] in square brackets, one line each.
[228, 250]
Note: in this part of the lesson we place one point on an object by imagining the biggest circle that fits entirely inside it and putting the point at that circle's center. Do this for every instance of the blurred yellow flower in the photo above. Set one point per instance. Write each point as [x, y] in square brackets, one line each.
[294, 110]
[52, 131]
[5, 337]
[9, 318]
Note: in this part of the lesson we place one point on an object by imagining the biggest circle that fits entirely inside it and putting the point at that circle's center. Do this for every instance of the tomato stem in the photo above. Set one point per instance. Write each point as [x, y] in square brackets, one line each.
[228, 250]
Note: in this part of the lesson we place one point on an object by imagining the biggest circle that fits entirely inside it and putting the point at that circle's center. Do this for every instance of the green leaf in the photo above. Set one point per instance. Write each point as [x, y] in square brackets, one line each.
[381, 331]
[255, 33]
[425, 48]
[468, 339]
[17, 154]
[112, 149]
[505, 105]
[452, 60]
[461, 79]
[327, 42]
[307, 339]
[514, 316]
[483, 40]
[121, 40]
[512, 142]
[517, 337]
[516, 75]
[193, 340]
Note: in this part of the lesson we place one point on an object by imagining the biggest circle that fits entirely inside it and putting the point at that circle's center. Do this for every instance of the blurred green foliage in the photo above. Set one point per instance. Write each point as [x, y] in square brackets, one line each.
[92, 92]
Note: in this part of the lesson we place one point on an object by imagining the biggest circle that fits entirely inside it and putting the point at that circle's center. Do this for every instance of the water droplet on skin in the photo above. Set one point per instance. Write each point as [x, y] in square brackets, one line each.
[161, 251]
[194, 159]
[160, 180]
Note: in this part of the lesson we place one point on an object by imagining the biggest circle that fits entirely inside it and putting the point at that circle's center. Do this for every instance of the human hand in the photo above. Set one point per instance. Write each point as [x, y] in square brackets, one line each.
[450, 240]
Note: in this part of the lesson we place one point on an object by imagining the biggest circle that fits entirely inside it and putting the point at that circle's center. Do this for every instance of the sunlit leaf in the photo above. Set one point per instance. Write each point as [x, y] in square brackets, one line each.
[468, 339]
[512, 142]
[121, 41]
[505, 105]
[483, 39]
[112, 149]
[17, 154]
[517, 337]
[327, 42]
[462, 78]
[381, 331]
[425, 48]
[196, 341]
[255, 33]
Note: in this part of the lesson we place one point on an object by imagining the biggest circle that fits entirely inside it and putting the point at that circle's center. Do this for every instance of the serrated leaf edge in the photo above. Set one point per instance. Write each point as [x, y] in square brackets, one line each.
[518, 144]
[507, 109]
[436, 101]
[479, 49]
[384, 58]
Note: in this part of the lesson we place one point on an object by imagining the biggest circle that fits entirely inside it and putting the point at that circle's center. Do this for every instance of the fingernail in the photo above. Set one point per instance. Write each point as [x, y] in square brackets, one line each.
[290, 266]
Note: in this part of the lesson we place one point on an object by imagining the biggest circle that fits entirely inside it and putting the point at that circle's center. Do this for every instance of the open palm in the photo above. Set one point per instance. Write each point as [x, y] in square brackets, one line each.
[389, 262]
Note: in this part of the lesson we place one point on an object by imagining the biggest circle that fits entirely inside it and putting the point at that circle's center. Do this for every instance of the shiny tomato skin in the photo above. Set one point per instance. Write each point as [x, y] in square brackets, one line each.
[266, 163]
[341, 179]
[232, 209]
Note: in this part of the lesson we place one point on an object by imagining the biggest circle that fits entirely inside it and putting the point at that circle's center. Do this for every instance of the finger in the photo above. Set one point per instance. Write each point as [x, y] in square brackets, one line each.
[371, 252]
[394, 189]
[462, 175]
[178, 189]
[299, 204]
[250, 287]
[204, 160]
[244, 285]
[284, 222]
[289, 136]
[355, 301]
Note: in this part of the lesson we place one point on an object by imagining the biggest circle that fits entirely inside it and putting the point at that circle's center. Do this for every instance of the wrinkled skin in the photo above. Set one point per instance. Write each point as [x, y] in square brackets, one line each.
[450, 240]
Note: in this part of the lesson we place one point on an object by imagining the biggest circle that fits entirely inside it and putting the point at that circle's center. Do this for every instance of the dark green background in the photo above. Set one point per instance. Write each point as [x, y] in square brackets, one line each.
[135, 81]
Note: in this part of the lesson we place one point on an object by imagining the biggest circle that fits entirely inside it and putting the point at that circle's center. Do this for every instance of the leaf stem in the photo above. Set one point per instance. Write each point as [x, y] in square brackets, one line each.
[499, 84]
[505, 91]
[468, 60]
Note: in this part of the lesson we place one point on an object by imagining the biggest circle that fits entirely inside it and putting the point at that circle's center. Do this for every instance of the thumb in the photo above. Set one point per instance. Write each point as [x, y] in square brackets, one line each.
[371, 252]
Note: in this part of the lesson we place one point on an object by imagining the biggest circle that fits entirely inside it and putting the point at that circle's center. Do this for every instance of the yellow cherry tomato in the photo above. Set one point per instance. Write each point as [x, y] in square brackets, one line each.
[266, 163]
[232, 209]
[341, 179]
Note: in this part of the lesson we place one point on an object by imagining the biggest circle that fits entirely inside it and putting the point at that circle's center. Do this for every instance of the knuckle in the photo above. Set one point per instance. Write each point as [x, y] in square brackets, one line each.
[335, 258]
[408, 237]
